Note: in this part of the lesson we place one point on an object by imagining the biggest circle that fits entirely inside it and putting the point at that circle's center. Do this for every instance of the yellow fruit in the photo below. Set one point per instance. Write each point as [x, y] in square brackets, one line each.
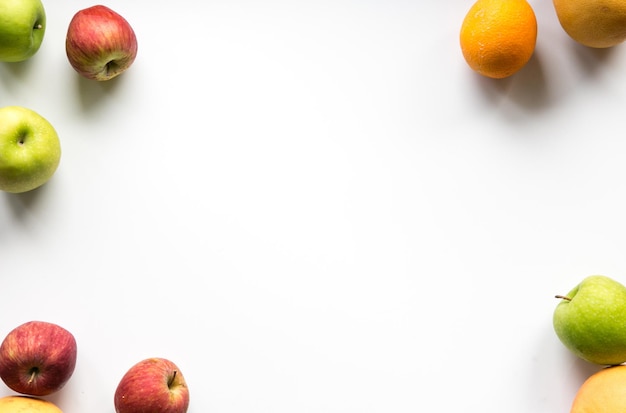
[603, 392]
[26, 404]
[593, 23]
[498, 37]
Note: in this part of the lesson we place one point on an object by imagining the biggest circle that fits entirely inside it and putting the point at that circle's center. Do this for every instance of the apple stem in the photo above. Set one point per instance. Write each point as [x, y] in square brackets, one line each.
[33, 374]
[562, 297]
[169, 383]
[39, 26]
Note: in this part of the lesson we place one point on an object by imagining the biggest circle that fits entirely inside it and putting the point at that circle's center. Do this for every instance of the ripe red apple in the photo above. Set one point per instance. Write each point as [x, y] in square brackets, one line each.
[37, 358]
[100, 44]
[152, 385]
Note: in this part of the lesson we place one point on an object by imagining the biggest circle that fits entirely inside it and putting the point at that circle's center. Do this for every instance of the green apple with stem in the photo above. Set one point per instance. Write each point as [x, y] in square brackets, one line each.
[30, 150]
[22, 29]
[590, 320]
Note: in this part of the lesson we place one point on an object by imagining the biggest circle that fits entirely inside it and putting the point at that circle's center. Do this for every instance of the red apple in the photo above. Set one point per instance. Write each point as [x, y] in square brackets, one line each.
[37, 358]
[100, 44]
[152, 385]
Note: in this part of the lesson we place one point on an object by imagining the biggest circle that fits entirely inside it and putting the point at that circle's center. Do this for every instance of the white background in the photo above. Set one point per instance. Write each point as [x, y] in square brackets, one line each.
[315, 206]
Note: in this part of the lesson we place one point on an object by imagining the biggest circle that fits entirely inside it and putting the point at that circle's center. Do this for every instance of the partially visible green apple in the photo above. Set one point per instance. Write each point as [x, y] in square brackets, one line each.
[30, 150]
[591, 320]
[22, 28]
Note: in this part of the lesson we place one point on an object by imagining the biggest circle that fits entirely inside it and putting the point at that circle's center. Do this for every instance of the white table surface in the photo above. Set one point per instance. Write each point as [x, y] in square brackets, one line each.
[315, 206]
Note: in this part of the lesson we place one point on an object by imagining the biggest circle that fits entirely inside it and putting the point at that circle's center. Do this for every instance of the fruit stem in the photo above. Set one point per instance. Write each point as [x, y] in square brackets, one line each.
[169, 383]
[562, 297]
[33, 374]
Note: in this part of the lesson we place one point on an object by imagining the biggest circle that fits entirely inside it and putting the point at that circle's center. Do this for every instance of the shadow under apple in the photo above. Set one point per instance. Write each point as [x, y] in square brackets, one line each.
[582, 369]
[92, 93]
[15, 72]
[21, 204]
[555, 374]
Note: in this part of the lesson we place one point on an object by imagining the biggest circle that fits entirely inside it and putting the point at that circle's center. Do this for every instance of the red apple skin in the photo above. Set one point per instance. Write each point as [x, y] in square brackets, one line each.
[100, 44]
[152, 385]
[37, 358]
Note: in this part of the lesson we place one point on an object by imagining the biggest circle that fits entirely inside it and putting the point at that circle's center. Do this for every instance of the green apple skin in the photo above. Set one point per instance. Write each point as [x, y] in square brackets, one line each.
[30, 150]
[22, 29]
[591, 320]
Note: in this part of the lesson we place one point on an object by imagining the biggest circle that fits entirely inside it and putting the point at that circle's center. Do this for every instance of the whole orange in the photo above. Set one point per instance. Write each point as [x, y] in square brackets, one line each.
[498, 37]
[602, 392]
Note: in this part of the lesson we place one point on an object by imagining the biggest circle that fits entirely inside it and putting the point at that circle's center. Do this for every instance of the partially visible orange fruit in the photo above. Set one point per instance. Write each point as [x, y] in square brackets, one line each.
[593, 23]
[603, 392]
[498, 37]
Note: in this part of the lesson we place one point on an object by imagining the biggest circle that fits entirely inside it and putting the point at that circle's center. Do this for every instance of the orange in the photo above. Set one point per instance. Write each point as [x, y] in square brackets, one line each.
[602, 392]
[593, 23]
[498, 37]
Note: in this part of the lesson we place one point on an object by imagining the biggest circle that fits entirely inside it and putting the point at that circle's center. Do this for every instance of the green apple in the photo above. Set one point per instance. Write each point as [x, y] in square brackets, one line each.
[22, 28]
[591, 320]
[30, 150]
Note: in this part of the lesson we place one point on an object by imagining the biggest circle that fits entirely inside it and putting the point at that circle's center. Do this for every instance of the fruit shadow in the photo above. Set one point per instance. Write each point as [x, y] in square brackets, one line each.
[527, 88]
[530, 89]
[581, 370]
[16, 73]
[21, 204]
[592, 60]
[92, 93]
[556, 373]
[60, 398]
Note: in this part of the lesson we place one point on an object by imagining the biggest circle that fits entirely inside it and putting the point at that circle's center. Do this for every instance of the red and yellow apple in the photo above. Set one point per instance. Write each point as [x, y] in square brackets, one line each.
[100, 44]
[37, 358]
[152, 385]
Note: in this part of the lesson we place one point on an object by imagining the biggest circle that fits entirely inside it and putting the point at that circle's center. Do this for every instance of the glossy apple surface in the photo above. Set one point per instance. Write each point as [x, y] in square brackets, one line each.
[30, 150]
[22, 29]
[589, 320]
[26, 404]
[37, 358]
[152, 385]
[100, 44]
